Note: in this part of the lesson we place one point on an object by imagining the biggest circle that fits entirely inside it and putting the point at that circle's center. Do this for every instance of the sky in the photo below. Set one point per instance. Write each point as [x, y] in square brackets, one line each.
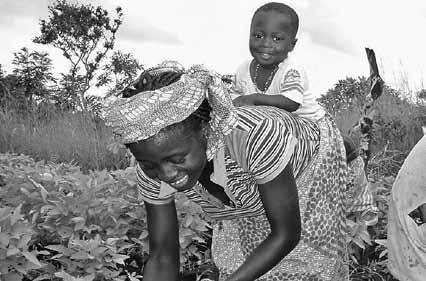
[331, 39]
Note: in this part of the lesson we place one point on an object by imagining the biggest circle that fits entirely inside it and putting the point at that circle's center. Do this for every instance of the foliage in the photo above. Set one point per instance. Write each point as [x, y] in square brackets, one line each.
[119, 72]
[422, 94]
[367, 245]
[33, 72]
[399, 122]
[369, 258]
[84, 34]
[15, 256]
[7, 86]
[12, 94]
[346, 94]
[57, 222]
[397, 127]
[395, 117]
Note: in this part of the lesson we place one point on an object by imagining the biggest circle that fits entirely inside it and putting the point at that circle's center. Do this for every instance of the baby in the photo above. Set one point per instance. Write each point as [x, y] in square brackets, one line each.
[271, 77]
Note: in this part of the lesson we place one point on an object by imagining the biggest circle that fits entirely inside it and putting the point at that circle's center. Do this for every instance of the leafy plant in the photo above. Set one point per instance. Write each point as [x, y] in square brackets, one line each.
[16, 257]
[75, 226]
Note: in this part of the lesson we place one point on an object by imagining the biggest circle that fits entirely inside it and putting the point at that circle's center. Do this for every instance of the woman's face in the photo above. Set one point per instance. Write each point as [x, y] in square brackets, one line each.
[177, 158]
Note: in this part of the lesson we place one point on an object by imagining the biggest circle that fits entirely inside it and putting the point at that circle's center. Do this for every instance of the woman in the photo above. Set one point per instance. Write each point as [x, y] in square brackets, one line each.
[407, 218]
[273, 183]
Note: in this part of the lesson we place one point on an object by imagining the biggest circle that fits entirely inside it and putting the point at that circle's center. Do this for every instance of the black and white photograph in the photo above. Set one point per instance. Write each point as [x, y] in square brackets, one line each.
[212, 140]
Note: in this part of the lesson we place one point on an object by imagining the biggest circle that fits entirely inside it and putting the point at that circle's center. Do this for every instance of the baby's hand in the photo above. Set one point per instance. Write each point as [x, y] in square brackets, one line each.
[244, 100]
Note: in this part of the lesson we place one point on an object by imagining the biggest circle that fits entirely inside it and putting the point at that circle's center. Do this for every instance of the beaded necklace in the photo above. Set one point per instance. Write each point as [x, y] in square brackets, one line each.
[268, 81]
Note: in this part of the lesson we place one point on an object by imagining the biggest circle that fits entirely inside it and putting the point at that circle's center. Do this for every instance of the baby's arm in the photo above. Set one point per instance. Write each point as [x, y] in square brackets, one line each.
[279, 101]
[292, 90]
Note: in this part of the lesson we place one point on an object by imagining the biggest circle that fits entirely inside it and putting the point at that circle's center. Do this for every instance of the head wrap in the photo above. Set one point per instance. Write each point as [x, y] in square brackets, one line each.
[144, 114]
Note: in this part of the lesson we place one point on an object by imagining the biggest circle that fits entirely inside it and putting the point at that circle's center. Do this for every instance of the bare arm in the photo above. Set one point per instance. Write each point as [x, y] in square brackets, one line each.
[163, 262]
[281, 204]
[279, 101]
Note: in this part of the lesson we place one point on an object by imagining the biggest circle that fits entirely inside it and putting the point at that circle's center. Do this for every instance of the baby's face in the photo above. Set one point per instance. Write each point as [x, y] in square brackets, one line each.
[271, 37]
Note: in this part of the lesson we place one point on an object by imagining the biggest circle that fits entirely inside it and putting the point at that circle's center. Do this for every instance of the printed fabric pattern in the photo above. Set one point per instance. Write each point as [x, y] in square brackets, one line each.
[360, 197]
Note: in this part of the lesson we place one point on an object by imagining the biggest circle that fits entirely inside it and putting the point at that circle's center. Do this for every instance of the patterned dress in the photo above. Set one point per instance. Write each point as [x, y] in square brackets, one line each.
[360, 197]
[264, 141]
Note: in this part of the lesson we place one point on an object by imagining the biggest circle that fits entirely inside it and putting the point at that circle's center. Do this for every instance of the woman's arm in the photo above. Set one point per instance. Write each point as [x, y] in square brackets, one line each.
[163, 228]
[281, 204]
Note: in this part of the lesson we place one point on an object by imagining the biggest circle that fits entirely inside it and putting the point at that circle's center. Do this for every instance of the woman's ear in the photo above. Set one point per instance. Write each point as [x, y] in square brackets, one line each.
[204, 132]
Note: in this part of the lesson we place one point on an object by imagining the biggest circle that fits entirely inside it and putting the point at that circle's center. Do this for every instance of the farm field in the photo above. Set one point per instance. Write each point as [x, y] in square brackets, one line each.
[69, 209]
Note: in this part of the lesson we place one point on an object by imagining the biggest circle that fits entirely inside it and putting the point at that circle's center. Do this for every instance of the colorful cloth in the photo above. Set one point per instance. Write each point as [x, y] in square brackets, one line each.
[290, 80]
[263, 142]
[359, 195]
[143, 115]
[407, 230]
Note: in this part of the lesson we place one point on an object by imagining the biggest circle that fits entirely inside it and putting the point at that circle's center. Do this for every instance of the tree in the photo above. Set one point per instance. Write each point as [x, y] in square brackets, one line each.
[5, 95]
[12, 95]
[84, 34]
[345, 94]
[33, 73]
[69, 84]
[119, 72]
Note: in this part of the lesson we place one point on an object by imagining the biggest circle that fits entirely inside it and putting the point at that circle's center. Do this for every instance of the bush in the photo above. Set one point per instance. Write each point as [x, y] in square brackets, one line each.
[397, 121]
[57, 222]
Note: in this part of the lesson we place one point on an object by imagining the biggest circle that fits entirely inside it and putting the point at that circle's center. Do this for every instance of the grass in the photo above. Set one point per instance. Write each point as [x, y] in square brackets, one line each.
[62, 138]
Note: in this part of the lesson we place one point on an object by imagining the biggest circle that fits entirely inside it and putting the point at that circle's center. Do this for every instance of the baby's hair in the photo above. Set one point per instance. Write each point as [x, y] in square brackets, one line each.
[284, 9]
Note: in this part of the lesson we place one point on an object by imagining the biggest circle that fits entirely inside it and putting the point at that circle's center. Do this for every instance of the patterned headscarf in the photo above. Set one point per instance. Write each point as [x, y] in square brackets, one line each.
[144, 114]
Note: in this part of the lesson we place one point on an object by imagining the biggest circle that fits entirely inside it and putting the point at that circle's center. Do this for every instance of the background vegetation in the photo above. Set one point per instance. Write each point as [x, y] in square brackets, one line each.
[68, 204]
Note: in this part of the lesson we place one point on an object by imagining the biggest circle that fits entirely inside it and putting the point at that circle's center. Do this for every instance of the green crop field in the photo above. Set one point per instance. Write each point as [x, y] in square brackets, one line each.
[69, 208]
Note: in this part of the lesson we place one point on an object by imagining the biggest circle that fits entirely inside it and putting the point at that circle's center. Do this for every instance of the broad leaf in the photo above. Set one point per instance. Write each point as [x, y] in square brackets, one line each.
[32, 258]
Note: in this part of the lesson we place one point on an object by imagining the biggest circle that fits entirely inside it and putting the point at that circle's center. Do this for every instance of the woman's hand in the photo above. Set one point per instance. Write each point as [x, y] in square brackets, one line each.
[163, 228]
[281, 204]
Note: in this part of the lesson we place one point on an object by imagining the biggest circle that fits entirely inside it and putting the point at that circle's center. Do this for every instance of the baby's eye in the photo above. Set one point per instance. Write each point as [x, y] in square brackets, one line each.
[278, 38]
[257, 35]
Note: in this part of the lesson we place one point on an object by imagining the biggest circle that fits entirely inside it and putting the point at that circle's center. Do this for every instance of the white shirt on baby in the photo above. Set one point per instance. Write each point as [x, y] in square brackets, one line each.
[290, 80]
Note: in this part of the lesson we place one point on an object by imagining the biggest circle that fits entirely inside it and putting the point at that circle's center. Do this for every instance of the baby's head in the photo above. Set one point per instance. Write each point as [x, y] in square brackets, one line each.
[273, 33]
